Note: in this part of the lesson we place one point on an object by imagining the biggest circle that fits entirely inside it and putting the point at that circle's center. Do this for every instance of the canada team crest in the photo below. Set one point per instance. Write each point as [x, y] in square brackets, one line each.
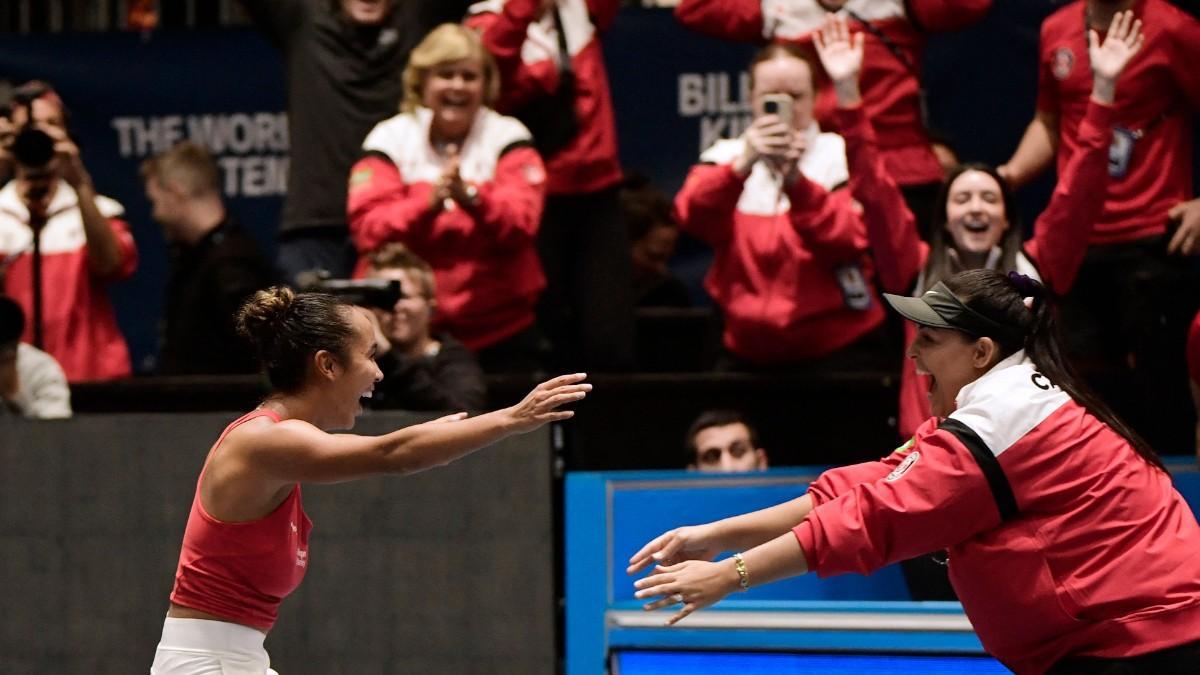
[1061, 62]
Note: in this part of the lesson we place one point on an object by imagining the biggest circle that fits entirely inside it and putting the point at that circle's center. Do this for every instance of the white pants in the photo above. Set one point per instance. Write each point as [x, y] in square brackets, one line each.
[204, 647]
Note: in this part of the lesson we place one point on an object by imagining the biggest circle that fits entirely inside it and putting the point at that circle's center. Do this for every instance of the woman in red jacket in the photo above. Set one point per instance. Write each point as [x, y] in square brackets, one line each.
[462, 187]
[975, 224]
[246, 543]
[1067, 544]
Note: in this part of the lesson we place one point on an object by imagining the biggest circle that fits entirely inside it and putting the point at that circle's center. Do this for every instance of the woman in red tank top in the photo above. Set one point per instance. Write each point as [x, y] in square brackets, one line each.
[246, 543]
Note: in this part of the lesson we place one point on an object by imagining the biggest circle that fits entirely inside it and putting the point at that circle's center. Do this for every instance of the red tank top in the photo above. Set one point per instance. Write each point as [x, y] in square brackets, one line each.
[242, 571]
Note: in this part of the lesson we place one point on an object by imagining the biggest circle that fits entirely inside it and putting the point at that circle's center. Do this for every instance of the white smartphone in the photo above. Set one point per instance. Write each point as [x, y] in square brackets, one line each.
[778, 104]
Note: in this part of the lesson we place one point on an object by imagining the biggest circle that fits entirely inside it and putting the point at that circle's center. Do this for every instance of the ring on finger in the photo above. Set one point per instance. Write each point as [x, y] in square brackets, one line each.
[678, 597]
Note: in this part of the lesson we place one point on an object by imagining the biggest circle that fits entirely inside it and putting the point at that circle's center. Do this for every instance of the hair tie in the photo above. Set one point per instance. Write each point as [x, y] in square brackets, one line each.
[1028, 301]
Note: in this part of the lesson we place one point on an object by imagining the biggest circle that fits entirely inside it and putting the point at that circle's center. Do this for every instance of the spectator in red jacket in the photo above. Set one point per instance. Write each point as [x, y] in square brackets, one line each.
[791, 272]
[462, 187]
[1137, 288]
[895, 33]
[976, 220]
[553, 75]
[1067, 543]
[83, 242]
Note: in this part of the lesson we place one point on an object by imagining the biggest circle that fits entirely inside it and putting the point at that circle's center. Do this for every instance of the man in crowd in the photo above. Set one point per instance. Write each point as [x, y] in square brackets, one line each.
[421, 371]
[61, 242]
[723, 441]
[215, 264]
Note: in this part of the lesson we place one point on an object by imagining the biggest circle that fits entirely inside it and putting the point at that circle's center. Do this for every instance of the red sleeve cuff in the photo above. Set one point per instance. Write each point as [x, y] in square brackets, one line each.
[1097, 118]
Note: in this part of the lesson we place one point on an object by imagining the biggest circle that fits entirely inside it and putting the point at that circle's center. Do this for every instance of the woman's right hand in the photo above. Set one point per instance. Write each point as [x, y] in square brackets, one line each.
[1123, 39]
[841, 55]
[542, 404]
[692, 542]
[767, 137]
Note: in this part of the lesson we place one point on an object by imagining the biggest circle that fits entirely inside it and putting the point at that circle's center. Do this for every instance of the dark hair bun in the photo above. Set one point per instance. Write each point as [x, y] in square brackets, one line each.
[261, 318]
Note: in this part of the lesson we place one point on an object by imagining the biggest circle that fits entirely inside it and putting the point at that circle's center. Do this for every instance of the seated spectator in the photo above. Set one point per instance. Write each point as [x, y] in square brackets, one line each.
[460, 186]
[791, 272]
[894, 34]
[1138, 289]
[215, 264]
[420, 371]
[551, 63]
[653, 233]
[723, 441]
[977, 223]
[32, 384]
[51, 208]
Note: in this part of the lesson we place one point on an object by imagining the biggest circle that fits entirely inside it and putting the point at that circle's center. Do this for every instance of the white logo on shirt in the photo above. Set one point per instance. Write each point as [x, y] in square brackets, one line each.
[301, 557]
[904, 466]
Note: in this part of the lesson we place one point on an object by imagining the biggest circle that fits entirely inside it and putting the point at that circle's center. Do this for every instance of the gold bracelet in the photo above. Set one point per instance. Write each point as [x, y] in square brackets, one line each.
[743, 576]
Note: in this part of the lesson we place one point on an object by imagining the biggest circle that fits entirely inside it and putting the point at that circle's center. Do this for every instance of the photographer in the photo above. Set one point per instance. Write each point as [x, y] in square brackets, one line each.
[421, 371]
[790, 273]
[61, 242]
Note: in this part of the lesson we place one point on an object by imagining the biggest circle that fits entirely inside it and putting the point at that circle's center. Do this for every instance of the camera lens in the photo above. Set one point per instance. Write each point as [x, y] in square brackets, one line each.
[32, 148]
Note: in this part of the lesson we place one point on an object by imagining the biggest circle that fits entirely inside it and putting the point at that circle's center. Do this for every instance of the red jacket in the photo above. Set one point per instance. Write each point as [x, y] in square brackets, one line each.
[1057, 247]
[79, 326]
[526, 51]
[1062, 541]
[485, 263]
[890, 88]
[790, 271]
[1156, 98]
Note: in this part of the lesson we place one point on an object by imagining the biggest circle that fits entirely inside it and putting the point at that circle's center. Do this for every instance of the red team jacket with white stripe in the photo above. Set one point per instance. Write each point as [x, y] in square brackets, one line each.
[890, 88]
[1053, 255]
[80, 327]
[1062, 541]
[485, 262]
[526, 50]
[790, 270]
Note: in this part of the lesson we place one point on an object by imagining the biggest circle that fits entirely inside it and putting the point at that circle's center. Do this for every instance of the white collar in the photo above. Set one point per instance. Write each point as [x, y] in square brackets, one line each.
[1017, 358]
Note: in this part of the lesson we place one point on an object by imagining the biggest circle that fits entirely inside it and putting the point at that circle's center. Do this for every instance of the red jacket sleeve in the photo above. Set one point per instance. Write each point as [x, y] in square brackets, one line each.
[381, 207]
[510, 206]
[127, 248]
[706, 203]
[891, 228]
[947, 15]
[740, 20]
[603, 12]
[1061, 233]
[503, 33]
[940, 498]
[826, 221]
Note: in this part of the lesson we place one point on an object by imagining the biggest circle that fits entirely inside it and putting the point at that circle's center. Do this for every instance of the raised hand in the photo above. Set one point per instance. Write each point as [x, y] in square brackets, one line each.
[841, 52]
[694, 542]
[1123, 40]
[542, 404]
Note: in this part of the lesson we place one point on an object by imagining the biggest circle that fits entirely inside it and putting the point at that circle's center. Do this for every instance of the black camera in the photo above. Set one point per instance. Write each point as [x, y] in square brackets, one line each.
[31, 147]
[377, 293]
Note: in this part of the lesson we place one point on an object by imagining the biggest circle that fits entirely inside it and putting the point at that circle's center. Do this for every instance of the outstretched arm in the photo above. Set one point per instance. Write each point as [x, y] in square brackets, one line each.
[295, 451]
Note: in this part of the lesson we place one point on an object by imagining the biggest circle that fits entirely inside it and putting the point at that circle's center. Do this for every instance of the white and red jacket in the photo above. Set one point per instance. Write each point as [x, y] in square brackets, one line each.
[79, 326]
[485, 260]
[1157, 95]
[1053, 255]
[790, 270]
[890, 88]
[1062, 540]
[525, 46]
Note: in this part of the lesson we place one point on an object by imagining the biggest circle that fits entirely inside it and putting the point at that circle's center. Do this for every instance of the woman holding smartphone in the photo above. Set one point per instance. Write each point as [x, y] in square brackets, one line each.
[790, 271]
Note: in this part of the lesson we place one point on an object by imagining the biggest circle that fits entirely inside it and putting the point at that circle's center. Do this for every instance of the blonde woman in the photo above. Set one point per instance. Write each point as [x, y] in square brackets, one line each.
[462, 187]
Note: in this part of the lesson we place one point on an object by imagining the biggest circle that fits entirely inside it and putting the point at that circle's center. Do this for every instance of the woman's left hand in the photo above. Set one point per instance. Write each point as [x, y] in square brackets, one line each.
[695, 584]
